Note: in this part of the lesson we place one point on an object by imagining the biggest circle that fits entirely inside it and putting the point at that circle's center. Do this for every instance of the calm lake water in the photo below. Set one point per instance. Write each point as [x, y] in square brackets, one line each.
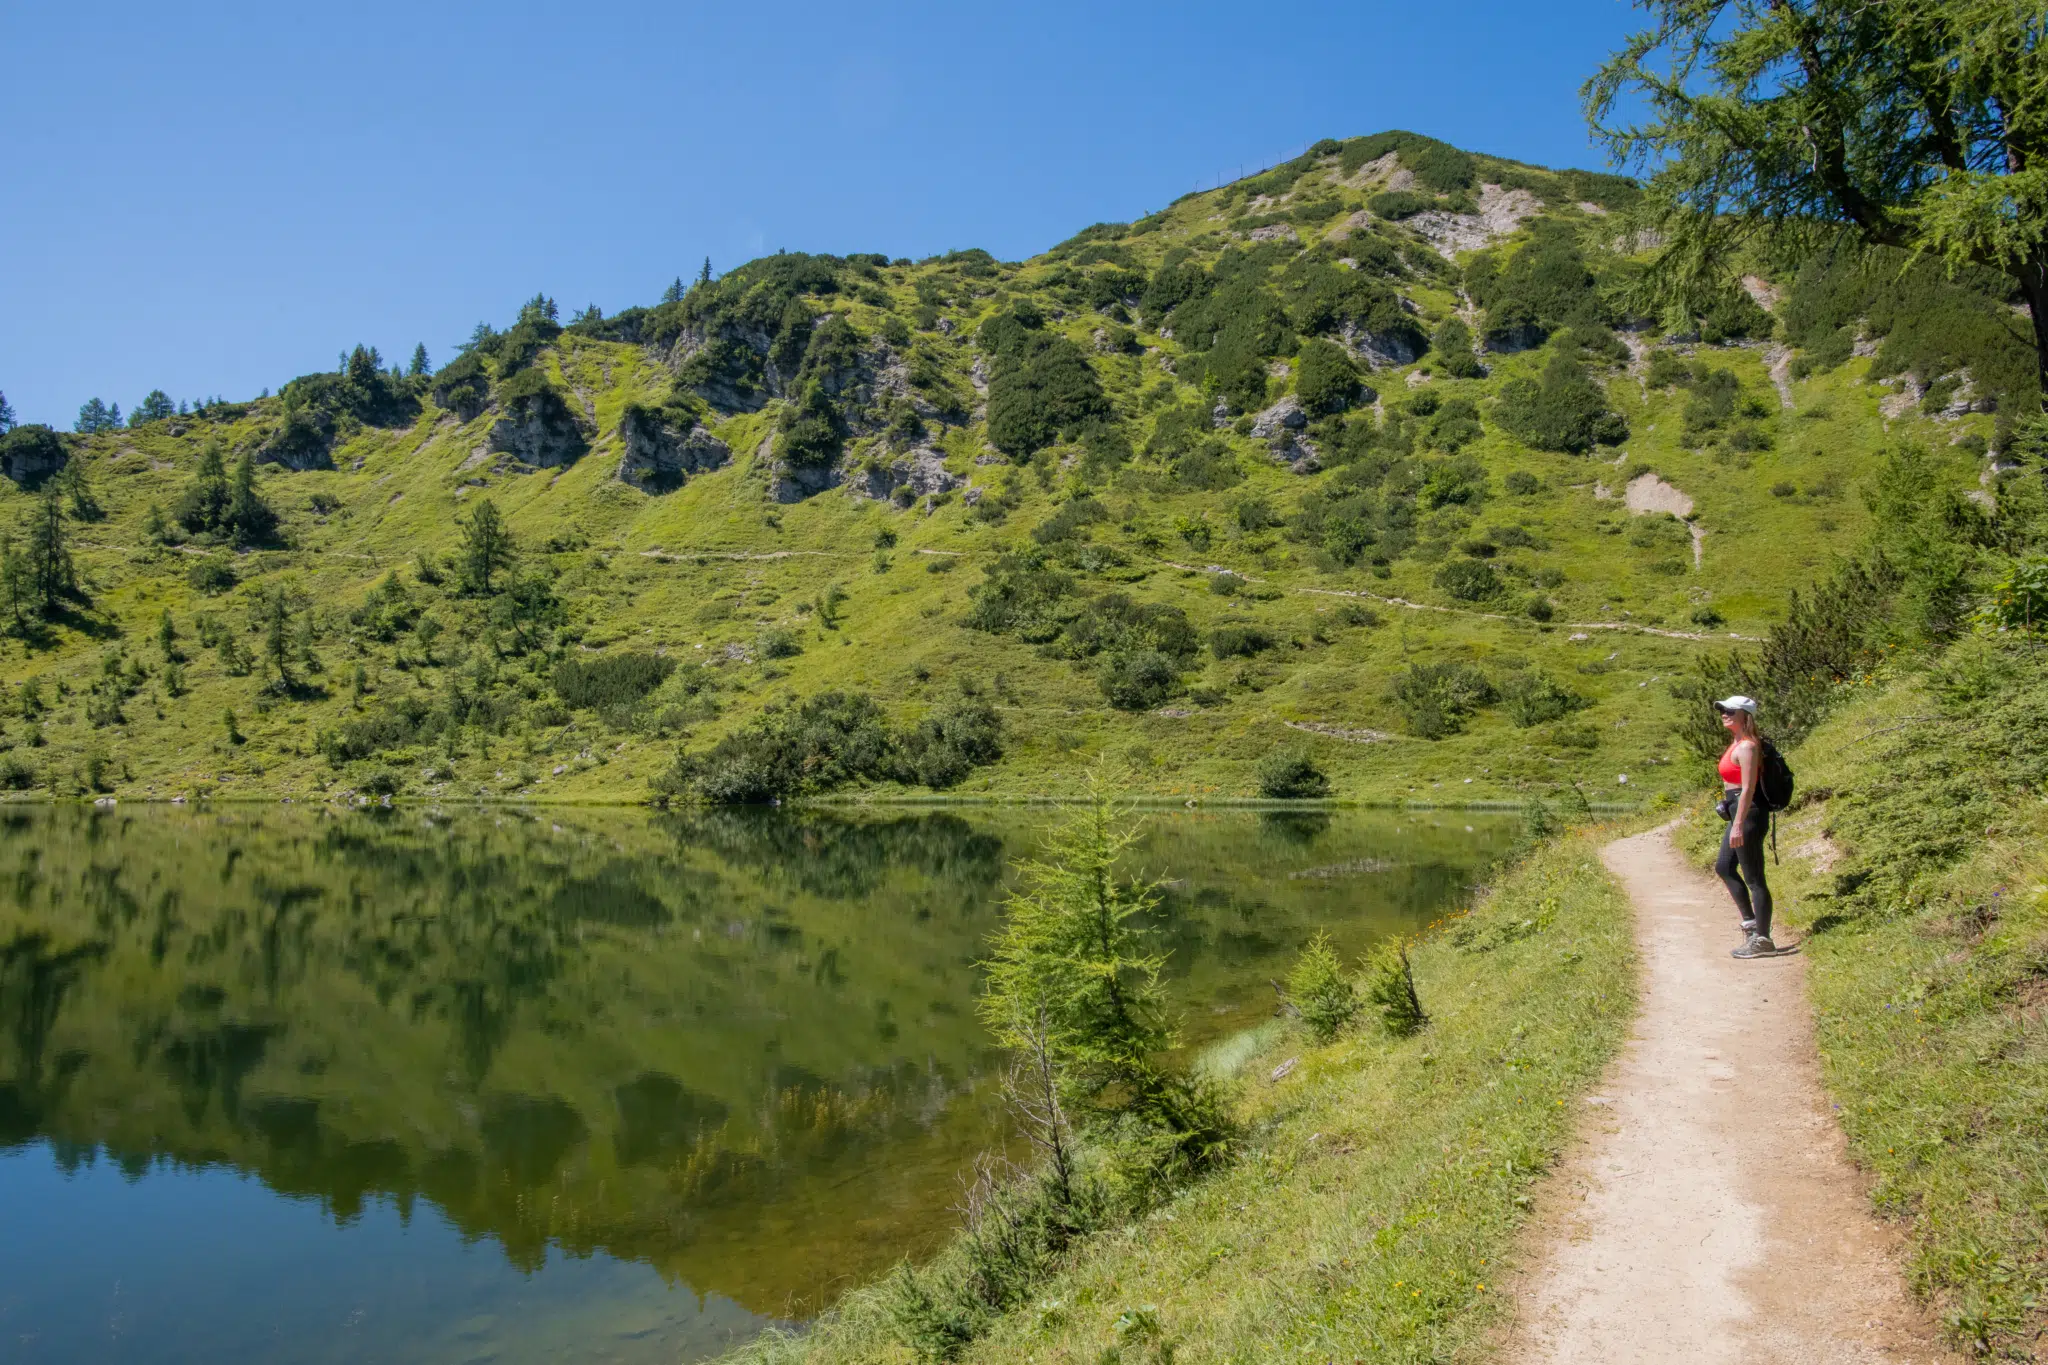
[298, 1085]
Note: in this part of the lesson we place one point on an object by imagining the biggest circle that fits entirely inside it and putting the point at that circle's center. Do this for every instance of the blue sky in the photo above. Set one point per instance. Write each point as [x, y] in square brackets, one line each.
[213, 198]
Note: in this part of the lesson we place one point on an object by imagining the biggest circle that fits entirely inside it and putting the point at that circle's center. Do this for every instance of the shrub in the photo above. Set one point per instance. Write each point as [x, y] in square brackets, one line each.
[610, 679]
[1469, 580]
[1042, 387]
[1537, 289]
[1326, 381]
[1394, 205]
[1290, 773]
[1436, 699]
[1319, 989]
[1565, 411]
[949, 744]
[1521, 483]
[382, 782]
[1539, 608]
[1139, 680]
[15, 774]
[212, 575]
[1453, 346]
[1391, 989]
[1534, 698]
[776, 643]
[1230, 642]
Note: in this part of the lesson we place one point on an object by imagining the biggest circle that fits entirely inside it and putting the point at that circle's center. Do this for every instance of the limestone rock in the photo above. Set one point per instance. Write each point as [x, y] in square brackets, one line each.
[1286, 414]
[1297, 452]
[660, 457]
[921, 471]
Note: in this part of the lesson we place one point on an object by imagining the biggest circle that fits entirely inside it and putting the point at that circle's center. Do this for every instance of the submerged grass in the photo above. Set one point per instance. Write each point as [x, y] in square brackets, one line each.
[1916, 864]
[1376, 1193]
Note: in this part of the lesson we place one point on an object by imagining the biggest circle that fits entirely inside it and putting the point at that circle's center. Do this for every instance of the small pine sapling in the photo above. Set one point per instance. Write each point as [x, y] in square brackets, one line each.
[1318, 988]
[1391, 989]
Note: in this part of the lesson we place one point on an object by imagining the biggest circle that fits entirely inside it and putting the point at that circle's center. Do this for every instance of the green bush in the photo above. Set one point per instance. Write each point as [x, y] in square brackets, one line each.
[1534, 290]
[1326, 380]
[1290, 773]
[1452, 343]
[1536, 698]
[610, 679]
[1041, 389]
[1435, 700]
[1469, 580]
[1395, 205]
[1139, 680]
[1522, 483]
[946, 746]
[212, 575]
[1318, 988]
[1231, 642]
[1566, 411]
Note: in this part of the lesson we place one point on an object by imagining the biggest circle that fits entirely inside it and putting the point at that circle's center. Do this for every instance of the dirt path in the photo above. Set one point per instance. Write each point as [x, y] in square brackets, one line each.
[1710, 1213]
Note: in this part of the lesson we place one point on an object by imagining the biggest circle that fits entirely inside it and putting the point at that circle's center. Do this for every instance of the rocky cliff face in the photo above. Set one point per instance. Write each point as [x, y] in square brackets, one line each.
[542, 434]
[661, 455]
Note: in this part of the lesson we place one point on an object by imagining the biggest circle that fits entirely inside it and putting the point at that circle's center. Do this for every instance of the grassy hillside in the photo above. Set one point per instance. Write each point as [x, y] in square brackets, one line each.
[1031, 509]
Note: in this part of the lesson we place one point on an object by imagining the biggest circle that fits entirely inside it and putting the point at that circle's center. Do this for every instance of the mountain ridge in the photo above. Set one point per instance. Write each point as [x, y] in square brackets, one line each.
[1331, 480]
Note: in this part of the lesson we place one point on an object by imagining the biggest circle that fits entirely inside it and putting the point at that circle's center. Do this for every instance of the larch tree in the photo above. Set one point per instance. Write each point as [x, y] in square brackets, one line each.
[1915, 124]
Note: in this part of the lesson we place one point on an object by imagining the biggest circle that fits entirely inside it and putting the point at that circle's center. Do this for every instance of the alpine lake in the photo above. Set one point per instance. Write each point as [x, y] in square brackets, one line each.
[304, 1084]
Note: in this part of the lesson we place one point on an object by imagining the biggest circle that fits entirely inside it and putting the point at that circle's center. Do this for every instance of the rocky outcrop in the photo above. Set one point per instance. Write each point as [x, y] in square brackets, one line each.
[1387, 348]
[1501, 211]
[31, 454]
[545, 435]
[1297, 452]
[661, 455]
[1283, 415]
[908, 477]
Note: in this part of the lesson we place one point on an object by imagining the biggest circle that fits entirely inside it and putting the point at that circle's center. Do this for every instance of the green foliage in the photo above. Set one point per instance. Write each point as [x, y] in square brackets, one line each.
[1231, 642]
[830, 741]
[1139, 679]
[1394, 205]
[95, 417]
[1537, 698]
[1390, 989]
[30, 454]
[1290, 773]
[1319, 989]
[212, 575]
[1041, 389]
[1326, 380]
[1469, 580]
[1452, 343]
[1565, 411]
[1535, 290]
[228, 508]
[2019, 600]
[1435, 700]
[155, 406]
[463, 386]
[486, 547]
[610, 680]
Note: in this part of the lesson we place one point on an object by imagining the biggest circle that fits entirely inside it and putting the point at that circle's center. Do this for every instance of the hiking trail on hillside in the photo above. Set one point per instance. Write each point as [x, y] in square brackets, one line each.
[1709, 1212]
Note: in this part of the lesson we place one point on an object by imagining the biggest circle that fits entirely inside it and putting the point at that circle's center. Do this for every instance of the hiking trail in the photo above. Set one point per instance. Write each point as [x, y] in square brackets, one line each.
[1709, 1212]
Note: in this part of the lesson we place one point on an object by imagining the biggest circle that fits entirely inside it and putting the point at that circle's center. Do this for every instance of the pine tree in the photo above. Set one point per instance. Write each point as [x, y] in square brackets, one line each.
[203, 506]
[247, 513]
[486, 547]
[155, 406]
[674, 293]
[95, 417]
[276, 617]
[52, 575]
[704, 275]
[17, 591]
[419, 361]
[6, 415]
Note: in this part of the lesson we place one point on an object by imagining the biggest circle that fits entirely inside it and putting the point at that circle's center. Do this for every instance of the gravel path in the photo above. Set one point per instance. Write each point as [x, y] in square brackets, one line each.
[1710, 1213]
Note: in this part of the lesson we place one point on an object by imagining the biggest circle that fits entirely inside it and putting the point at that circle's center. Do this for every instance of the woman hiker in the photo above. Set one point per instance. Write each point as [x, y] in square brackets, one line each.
[1741, 864]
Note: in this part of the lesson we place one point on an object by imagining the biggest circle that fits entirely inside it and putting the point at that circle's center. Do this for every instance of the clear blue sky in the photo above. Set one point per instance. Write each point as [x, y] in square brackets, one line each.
[213, 198]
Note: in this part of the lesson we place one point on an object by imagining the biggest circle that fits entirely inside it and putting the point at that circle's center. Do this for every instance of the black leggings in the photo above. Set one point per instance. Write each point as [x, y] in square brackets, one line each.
[1741, 870]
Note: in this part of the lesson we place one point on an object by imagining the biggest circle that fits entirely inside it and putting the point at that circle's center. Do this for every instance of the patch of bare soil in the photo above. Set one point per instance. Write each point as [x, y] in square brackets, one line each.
[1710, 1214]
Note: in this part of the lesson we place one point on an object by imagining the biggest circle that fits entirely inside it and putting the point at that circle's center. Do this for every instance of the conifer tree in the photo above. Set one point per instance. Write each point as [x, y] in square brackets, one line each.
[6, 415]
[17, 592]
[486, 547]
[155, 406]
[203, 506]
[52, 575]
[419, 364]
[674, 293]
[94, 416]
[247, 513]
[704, 275]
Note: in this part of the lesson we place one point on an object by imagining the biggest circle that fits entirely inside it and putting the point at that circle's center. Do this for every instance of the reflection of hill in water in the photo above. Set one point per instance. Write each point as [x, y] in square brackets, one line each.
[732, 1044]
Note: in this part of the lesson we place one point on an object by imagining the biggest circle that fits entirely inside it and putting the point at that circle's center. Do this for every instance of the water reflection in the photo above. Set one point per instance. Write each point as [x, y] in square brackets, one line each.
[737, 1047]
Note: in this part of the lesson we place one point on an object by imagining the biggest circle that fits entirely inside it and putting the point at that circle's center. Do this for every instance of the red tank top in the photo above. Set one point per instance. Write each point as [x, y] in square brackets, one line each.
[1731, 767]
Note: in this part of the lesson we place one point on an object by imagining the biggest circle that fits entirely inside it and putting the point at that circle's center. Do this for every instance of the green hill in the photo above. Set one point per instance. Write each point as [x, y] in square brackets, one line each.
[1363, 463]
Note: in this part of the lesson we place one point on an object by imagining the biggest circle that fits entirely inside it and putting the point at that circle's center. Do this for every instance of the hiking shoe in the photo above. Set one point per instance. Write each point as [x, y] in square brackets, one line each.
[1758, 946]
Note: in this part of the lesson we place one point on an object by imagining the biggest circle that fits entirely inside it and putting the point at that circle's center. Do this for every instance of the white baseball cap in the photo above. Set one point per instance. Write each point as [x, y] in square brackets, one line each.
[1738, 702]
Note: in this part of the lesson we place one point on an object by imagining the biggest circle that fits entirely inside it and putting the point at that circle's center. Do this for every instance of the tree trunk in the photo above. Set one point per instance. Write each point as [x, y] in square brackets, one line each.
[2033, 280]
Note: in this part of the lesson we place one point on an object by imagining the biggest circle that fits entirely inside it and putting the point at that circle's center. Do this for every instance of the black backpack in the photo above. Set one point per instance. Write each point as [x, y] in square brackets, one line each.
[1774, 783]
